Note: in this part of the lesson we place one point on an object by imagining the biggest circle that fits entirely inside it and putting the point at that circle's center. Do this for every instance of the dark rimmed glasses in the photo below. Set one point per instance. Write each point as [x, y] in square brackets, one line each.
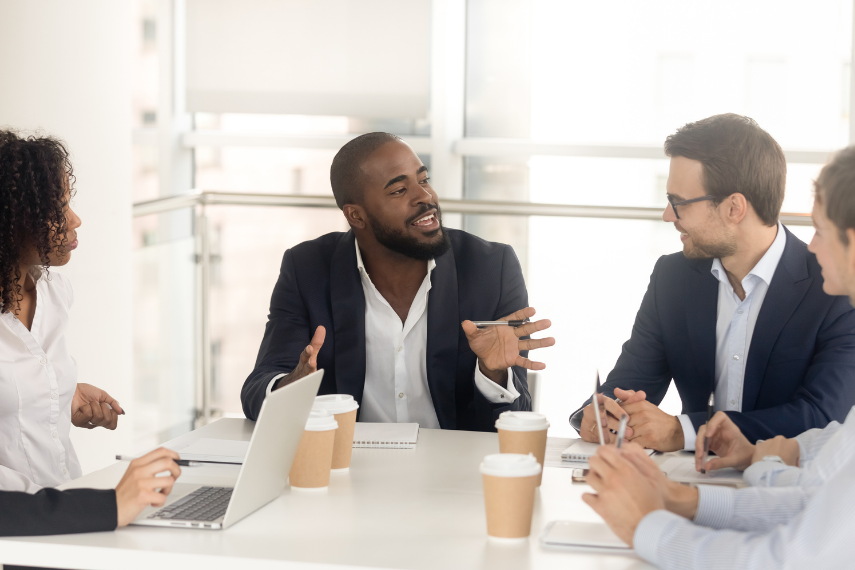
[675, 203]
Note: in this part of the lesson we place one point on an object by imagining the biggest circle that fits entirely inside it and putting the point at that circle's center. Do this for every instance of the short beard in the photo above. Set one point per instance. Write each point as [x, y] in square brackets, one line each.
[723, 248]
[399, 242]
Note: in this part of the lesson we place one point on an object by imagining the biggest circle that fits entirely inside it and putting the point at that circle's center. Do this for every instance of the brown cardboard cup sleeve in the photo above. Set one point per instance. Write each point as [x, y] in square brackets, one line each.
[523, 432]
[344, 408]
[509, 481]
[311, 468]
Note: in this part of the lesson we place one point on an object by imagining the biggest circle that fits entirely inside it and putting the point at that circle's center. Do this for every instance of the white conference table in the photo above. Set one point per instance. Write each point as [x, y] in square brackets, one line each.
[407, 509]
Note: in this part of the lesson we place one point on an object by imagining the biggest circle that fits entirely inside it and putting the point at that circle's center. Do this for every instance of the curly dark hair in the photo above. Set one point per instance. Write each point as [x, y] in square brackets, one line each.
[35, 174]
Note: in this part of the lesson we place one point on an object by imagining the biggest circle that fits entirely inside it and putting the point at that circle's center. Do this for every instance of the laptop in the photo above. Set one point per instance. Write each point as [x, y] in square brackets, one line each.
[262, 476]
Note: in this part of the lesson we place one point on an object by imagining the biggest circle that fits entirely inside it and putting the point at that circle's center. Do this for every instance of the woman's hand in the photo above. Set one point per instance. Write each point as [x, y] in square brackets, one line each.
[93, 407]
[140, 488]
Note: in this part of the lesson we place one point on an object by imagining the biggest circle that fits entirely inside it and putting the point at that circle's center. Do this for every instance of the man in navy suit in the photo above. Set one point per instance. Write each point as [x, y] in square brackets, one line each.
[740, 313]
[387, 307]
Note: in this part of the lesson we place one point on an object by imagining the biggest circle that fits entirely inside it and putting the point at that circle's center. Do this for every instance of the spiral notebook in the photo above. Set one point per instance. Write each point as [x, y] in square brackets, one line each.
[580, 451]
[385, 435]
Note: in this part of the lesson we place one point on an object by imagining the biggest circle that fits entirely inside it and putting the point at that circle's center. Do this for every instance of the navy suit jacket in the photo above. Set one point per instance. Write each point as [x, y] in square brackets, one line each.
[319, 284]
[800, 372]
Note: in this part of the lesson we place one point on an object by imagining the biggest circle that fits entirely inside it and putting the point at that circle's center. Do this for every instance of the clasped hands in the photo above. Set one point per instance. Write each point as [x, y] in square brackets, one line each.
[497, 348]
[648, 426]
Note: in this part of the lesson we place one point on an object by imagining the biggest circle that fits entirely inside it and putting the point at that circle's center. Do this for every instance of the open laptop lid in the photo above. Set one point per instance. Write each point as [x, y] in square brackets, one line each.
[272, 447]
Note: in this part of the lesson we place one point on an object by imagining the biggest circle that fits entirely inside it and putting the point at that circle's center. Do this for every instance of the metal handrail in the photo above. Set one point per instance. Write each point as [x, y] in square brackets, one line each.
[449, 205]
[199, 200]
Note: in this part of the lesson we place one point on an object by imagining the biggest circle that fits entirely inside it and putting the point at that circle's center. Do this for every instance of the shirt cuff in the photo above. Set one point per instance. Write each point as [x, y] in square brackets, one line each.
[272, 382]
[771, 474]
[492, 391]
[715, 506]
[689, 435]
[648, 534]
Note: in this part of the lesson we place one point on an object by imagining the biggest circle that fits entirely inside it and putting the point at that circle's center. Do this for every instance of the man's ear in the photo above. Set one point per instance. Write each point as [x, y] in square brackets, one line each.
[736, 207]
[355, 216]
[850, 250]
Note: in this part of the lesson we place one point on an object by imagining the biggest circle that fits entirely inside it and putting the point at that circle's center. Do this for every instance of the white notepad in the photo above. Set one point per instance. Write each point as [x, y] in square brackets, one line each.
[682, 470]
[596, 537]
[385, 435]
[580, 451]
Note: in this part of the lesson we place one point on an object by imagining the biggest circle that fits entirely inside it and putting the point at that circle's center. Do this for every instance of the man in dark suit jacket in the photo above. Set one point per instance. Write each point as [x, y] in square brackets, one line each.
[387, 307]
[740, 312]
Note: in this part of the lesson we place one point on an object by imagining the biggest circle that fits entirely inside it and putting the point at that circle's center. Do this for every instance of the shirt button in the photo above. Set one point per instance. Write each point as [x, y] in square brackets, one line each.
[733, 402]
[64, 471]
[740, 312]
[54, 435]
[736, 357]
[400, 394]
[400, 348]
[42, 360]
[53, 396]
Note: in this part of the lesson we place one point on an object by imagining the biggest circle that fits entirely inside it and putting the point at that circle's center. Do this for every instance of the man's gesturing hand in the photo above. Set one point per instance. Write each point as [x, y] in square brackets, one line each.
[498, 347]
[726, 441]
[93, 407]
[624, 494]
[139, 487]
[308, 360]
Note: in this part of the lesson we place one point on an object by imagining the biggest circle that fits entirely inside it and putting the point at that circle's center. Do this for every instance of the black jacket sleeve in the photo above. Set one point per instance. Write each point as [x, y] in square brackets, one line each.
[57, 512]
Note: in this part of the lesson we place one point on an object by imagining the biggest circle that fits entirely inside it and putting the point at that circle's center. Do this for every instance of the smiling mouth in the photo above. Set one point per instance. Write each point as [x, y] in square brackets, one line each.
[425, 221]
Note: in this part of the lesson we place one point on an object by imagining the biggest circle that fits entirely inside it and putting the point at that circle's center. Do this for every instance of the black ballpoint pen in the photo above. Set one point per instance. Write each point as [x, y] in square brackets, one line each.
[482, 324]
[710, 410]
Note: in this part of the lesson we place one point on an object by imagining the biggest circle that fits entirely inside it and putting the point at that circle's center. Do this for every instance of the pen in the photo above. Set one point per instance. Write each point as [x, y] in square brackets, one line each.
[710, 405]
[597, 410]
[182, 462]
[482, 324]
[621, 430]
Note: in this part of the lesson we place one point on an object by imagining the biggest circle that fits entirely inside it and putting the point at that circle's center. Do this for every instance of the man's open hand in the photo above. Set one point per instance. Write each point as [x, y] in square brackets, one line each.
[498, 347]
[92, 407]
[308, 360]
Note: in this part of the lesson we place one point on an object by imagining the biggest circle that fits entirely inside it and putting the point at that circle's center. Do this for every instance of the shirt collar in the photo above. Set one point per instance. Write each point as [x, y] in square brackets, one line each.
[765, 268]
[361, 266]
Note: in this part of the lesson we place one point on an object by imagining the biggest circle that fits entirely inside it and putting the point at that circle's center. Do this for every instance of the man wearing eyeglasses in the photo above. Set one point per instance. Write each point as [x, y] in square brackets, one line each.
[739, 313]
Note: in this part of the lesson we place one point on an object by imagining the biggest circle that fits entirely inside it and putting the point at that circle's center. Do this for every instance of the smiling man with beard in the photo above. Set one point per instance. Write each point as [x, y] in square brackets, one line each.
[739, 312]
[386, 309]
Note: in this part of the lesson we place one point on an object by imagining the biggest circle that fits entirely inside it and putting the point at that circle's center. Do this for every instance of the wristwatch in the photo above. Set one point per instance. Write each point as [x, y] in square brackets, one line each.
[773, 459]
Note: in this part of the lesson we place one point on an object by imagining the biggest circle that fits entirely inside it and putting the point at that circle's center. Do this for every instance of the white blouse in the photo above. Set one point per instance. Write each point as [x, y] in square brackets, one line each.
[37, 382]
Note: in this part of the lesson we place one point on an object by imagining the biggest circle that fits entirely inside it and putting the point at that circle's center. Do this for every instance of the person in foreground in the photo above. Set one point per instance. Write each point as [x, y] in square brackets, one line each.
[40, 397]
[387, 307]
[50, 511]
[807, 521]
[740, 311]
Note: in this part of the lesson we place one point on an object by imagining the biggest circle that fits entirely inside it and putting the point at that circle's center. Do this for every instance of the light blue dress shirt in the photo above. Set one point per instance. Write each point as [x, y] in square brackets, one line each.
[734, 328]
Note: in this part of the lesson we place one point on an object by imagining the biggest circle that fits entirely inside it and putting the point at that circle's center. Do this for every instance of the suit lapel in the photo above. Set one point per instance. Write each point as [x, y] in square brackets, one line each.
[348, 315]
[789, 286]
[701, 304]
[443, 333]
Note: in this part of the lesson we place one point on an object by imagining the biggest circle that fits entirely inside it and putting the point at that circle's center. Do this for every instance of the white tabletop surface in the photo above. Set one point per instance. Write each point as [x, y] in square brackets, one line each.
[419, 508]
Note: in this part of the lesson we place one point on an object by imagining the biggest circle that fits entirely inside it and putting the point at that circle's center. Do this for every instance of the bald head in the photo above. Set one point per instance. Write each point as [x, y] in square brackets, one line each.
[346, 170]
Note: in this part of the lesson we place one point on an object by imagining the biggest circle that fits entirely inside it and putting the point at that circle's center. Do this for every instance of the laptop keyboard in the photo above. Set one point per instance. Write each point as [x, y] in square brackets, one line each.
[203, 504]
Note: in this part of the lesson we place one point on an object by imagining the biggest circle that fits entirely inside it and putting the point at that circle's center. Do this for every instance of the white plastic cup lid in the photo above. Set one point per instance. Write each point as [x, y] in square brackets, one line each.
[335, 403]
[522, 421]
[510, 465]
[321, 420]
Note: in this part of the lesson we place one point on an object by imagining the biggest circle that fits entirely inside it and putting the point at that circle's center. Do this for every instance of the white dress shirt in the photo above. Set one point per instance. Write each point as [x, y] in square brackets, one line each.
[809, 525]
[734, 328]
[396, 385]
[37, 382]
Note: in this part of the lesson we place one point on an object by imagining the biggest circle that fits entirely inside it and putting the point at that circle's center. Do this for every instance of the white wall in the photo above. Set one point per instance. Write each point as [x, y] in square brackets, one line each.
[65, 69]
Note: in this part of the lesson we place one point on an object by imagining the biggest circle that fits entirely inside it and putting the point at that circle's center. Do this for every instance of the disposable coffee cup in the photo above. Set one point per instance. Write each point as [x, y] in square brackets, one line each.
[311, 468]
[509, 483]
[343, 407]
[523, 432]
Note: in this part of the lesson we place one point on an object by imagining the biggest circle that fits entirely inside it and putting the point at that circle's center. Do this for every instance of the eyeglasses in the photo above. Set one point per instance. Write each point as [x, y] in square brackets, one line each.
[674, 203]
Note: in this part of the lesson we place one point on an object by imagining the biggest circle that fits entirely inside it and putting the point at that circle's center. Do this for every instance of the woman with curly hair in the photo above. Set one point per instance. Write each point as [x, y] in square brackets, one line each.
[39, 395]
